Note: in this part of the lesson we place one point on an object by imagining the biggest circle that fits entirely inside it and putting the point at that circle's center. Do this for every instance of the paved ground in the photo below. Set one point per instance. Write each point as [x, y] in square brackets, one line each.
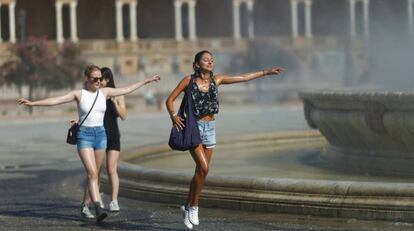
[41, 179]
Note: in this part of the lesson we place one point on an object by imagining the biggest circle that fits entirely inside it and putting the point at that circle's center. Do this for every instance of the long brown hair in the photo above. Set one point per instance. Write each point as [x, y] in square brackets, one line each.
[109, 76]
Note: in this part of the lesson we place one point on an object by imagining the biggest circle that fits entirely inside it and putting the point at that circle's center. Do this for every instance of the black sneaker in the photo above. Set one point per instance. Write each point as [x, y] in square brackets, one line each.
[99, 212]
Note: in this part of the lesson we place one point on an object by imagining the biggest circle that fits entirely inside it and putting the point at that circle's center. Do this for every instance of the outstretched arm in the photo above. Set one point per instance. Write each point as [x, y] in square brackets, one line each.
[224, 79]
[110, 92]
[51, 101]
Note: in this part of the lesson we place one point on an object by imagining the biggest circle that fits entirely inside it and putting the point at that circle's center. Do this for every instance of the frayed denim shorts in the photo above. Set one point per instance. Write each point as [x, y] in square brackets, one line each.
[207, 132]
[91, 137]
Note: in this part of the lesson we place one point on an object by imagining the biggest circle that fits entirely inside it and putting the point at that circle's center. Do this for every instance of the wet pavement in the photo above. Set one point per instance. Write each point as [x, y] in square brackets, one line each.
[45, 198]
[41, 179]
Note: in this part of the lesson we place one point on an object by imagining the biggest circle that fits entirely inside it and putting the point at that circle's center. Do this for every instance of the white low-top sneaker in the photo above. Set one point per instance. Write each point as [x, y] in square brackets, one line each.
[86, 213]
[101, 202]
[193, 215]
[113, 206]
[184, 213]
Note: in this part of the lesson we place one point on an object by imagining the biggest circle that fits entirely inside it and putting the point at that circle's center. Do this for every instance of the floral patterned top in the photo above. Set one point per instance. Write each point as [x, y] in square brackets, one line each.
[205, 103]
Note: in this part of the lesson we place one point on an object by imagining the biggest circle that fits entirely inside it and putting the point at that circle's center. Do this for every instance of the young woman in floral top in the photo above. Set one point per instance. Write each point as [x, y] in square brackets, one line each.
[204, 90]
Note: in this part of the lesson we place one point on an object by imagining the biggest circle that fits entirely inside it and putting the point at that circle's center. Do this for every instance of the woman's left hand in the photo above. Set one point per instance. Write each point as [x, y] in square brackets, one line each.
[154, 78]
[178, 122]
[273, 71]
[72, 122]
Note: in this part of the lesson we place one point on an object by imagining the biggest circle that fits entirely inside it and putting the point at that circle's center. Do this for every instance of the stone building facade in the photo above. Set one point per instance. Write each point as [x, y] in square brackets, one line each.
[163, 35]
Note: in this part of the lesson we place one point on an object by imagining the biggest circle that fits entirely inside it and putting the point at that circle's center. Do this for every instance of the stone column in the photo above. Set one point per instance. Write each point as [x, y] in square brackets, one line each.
[1, 40]
[410, 17]
[236, 19]
[178, 23]
[294, 16]
[12, 21]
[308, 18]
[73, 22]
[250, 5]
[119, 29]
[352, 17]
[192, 19]
[133, 20]
[366, 17]
[59, 23]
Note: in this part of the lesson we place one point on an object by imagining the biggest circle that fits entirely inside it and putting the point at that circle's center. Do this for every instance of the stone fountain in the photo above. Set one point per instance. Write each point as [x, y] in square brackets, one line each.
[368, 133]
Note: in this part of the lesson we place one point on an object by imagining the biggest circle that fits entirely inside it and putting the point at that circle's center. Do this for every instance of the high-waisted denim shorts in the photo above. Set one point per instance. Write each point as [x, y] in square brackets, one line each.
[207, 132]
[91, 137]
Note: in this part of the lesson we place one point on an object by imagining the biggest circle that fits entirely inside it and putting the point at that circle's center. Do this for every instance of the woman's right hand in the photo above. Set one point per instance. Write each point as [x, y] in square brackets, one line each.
[178, 122]
[24, 101]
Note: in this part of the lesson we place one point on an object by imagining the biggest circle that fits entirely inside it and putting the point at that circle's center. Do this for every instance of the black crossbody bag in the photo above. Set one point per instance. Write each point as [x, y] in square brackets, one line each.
[73, 130]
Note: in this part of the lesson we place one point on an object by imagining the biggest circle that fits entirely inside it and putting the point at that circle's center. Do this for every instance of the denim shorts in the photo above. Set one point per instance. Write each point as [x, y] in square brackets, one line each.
[91, 137]
[207, 132]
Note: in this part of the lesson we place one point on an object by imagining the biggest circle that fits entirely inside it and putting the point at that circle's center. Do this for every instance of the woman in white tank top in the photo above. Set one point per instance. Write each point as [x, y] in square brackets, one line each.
[91, 140]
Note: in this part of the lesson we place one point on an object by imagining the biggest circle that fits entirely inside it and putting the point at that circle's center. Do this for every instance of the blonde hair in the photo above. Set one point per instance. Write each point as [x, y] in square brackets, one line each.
[91, 68]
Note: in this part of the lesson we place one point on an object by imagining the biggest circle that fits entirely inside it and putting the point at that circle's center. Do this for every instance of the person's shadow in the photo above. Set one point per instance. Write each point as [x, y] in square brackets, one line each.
[64, 212]
[43, 199]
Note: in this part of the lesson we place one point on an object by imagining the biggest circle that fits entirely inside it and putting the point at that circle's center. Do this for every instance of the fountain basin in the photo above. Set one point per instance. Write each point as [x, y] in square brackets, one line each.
[297, 195]
[368, 132]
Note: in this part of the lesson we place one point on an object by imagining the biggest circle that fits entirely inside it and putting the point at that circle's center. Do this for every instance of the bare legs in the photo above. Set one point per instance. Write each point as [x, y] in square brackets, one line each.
[92, 161]
[202, 158]
[111, 168]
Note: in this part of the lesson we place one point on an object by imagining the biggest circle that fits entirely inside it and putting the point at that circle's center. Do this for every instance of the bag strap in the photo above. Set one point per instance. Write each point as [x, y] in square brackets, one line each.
[187, 94]
[97, 92]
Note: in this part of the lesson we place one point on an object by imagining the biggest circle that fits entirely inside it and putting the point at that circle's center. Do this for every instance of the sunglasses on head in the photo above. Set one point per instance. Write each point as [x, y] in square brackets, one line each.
[96, 79]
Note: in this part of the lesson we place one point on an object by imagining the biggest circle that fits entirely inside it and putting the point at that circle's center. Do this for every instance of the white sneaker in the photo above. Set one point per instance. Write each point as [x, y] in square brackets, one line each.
[113, 206]
[193, 215]
[86, 213]
[101, 202]
[187, 222]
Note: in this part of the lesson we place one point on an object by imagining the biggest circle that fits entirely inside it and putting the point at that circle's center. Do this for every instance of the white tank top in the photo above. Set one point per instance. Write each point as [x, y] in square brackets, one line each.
[96, 117]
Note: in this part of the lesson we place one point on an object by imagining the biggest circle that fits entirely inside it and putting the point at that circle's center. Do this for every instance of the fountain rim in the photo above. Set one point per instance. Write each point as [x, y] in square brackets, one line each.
[369, 94]
[287, 185]
[331, 99]
[360, 200]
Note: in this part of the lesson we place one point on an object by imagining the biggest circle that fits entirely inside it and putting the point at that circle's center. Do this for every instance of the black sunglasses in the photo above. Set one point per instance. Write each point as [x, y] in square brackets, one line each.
[96, 79]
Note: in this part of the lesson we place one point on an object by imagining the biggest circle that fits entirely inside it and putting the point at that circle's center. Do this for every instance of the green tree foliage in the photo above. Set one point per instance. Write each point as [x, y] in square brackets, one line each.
[69, 67]
[40, 67]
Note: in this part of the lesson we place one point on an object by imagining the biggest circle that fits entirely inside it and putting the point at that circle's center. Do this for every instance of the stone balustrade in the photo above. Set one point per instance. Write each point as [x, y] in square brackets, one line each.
[128, 57]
